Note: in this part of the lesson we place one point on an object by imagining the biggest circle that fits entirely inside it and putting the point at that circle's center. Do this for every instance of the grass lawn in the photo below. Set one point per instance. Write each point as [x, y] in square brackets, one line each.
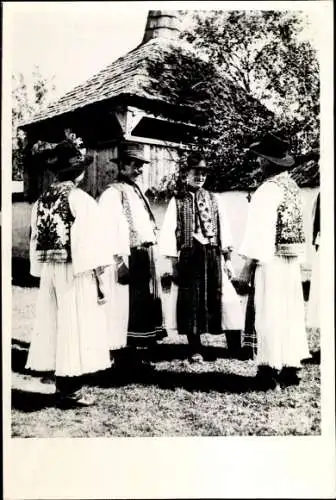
[172, 398]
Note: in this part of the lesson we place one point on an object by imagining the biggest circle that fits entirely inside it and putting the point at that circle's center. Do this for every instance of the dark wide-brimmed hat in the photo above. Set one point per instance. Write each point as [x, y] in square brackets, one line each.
[66, 157]
[275, 149]
[131, 150]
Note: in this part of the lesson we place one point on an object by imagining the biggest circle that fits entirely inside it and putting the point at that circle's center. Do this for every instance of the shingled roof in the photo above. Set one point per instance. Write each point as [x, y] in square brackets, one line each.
[127, 76]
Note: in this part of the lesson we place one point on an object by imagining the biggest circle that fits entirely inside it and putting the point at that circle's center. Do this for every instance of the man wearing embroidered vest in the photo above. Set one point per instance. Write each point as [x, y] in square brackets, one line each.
[67, 253]
[133, 305]
[195, 237]
[273, 247]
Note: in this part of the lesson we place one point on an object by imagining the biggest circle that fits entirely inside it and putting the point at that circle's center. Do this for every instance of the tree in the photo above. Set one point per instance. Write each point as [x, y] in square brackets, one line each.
[27, 100]
[246, 71]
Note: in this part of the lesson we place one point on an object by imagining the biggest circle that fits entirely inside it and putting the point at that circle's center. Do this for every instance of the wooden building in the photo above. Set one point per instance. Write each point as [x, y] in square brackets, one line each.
[118, 102]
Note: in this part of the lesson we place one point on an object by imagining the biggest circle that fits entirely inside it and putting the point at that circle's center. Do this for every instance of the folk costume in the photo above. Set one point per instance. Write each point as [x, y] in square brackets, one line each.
[66, 250]
[313, 312]
[194, 236]
[133, 289]
[274, 242]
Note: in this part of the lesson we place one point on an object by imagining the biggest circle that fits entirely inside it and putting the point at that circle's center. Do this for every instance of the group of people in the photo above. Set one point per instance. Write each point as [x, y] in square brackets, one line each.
[101, 287]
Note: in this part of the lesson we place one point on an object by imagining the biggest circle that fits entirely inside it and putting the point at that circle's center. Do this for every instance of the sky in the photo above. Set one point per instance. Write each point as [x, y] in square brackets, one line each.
[71, 41]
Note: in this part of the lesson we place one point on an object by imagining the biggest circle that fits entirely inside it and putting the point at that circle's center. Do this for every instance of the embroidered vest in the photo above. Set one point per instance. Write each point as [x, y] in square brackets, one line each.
[199, 211]
[290, 235]
[54, 220]
[134, 236]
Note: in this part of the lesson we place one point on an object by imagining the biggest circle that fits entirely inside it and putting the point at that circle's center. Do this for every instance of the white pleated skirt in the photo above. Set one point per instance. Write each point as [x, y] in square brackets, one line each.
[279, 317]
[116, 308]
[70, 334]
[232, 309]
[313, 312]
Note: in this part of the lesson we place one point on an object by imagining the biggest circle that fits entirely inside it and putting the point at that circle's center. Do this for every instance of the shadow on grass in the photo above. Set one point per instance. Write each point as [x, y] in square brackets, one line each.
[170, 352]
[204, 381]
[162, 352]
[21, 273]
[166, 379]
[128, 370]
[31, 401]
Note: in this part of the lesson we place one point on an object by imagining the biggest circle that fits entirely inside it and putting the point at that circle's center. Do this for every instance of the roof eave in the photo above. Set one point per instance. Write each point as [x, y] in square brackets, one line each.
[154, 105]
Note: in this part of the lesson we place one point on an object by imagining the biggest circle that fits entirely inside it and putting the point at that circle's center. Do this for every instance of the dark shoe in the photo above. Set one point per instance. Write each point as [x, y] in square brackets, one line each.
[233, 341]
[146, 363]
[240, 353]
[314, 359]
[289, 376]
[247, 353]
[197, 358]
[161, 334]
[48, 380]
[76, 399]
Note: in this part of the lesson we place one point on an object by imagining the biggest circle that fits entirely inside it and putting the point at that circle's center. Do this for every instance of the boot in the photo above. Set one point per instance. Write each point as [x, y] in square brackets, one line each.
[234, 344]
[195, 349]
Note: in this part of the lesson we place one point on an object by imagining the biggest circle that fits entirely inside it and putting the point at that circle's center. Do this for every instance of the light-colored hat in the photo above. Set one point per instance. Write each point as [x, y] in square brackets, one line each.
[131, 150]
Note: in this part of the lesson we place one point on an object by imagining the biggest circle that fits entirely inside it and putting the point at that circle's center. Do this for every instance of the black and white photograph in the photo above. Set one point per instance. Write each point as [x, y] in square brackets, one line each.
[164, 177]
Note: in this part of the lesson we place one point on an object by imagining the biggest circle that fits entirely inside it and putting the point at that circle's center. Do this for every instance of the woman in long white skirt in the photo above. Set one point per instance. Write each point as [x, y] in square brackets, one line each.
[67, 253]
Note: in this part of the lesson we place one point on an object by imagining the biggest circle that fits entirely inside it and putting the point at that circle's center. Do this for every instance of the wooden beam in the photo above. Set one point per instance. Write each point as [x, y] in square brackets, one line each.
[121, 117]
[148, 115]
[134, 117]
[155, 142]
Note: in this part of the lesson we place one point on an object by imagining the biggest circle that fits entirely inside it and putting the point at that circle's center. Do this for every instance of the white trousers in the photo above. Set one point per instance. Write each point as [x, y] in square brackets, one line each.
[116, 308]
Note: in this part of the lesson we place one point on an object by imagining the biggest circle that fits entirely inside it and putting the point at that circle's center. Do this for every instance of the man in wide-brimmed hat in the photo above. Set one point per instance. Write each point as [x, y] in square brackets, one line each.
[67, 252]
[134, 306]
[274, 246]
[196, 238]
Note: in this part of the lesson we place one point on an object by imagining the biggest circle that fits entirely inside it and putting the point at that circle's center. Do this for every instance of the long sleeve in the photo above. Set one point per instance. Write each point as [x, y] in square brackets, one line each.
[114, 220]
[226, 240]
[167, 238]
[88, 247]
[259, 239]
[35, 266]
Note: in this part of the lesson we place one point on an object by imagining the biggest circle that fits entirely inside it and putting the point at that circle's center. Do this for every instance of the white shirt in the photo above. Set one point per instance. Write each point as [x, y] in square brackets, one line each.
[260, 232]
[167, 237]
